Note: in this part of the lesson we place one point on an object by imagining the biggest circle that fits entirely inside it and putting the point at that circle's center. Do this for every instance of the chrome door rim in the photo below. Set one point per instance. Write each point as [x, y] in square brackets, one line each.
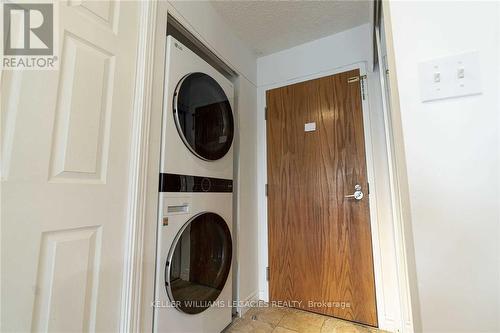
[168, 285]
[177, 122]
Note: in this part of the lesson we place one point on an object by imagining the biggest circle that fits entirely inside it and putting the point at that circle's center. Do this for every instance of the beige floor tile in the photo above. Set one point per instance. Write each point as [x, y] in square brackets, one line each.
[244, 325]
[289, 320]
[271, 315]
[309, 317]
[303, 322]
[283, 330]
[333, 325]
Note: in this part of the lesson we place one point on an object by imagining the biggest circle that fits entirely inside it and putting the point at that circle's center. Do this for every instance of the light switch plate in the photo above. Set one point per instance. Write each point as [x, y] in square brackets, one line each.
[453, 76]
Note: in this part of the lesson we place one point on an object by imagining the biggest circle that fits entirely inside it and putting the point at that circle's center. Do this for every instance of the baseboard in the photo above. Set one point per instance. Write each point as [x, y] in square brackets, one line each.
[388, 324]
[263, 296]
[246, 303]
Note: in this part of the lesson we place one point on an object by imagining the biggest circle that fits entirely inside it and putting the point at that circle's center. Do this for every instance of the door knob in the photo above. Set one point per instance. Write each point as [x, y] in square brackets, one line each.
[358, 194]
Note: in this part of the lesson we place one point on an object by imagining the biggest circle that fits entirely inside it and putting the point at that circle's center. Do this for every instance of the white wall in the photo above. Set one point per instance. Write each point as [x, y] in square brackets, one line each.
[247, 193]
[202, 19]
[341, 49]
[318, 58]
[452, 156]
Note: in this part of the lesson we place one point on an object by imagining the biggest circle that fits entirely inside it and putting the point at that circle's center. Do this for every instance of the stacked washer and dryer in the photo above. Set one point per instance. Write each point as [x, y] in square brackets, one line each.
[194, 246]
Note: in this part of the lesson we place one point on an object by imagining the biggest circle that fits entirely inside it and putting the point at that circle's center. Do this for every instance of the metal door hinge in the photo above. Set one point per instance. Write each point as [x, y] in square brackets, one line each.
[267, 189]
[368, 188]
[356, 79]
[267, 273]
[363, 93]
[265, 113]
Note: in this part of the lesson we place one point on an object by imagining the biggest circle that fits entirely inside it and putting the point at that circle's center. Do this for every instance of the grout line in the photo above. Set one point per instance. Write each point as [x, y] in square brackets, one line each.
[321, 328]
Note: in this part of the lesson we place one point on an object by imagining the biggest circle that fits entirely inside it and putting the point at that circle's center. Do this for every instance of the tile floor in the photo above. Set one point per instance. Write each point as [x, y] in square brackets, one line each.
[289, 320]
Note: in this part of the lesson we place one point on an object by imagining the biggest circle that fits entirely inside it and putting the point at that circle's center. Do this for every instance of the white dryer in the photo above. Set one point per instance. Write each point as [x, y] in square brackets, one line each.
[193, 266]
[198, 123]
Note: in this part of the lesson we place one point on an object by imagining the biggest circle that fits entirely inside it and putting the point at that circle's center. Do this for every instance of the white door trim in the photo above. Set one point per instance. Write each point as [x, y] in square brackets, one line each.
[408, 296]
[404, 295]
[136, 215]
[263, 246]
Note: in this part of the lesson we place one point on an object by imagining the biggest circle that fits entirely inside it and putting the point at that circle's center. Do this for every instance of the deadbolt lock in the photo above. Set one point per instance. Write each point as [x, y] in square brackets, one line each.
[358, 193]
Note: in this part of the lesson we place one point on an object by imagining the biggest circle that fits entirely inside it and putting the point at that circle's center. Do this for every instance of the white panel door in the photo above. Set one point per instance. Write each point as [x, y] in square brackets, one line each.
[65, 160]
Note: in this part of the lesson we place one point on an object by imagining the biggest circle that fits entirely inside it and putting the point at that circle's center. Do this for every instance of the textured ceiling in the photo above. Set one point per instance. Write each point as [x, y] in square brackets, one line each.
[270, 26]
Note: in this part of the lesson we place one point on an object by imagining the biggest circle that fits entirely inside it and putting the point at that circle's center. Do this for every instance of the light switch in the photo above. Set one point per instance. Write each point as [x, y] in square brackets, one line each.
[448, 77]
[437, 77]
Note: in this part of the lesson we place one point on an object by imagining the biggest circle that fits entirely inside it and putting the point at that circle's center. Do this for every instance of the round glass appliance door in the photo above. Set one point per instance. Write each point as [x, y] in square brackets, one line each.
[199, 263]
[203, 116]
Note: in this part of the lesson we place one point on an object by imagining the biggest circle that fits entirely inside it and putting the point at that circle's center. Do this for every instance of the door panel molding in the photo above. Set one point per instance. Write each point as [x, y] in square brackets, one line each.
[9, 116]
[79, 250]
[85, 93]
[105, 13]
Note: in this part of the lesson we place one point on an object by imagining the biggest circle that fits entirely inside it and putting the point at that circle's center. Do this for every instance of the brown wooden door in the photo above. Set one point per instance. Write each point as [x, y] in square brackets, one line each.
[319, 241]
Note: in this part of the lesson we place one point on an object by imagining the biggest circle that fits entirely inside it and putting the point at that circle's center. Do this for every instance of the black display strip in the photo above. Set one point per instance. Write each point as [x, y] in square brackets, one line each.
[170, 182]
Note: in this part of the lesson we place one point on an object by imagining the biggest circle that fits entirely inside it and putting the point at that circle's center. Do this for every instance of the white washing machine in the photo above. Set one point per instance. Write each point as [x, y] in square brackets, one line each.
[198, 123]
[193, 289]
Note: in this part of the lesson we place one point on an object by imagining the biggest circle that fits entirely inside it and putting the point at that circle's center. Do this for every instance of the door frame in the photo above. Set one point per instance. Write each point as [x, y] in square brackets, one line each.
[138, 275]
[137, 259]
[140, 248]
[370, 168]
